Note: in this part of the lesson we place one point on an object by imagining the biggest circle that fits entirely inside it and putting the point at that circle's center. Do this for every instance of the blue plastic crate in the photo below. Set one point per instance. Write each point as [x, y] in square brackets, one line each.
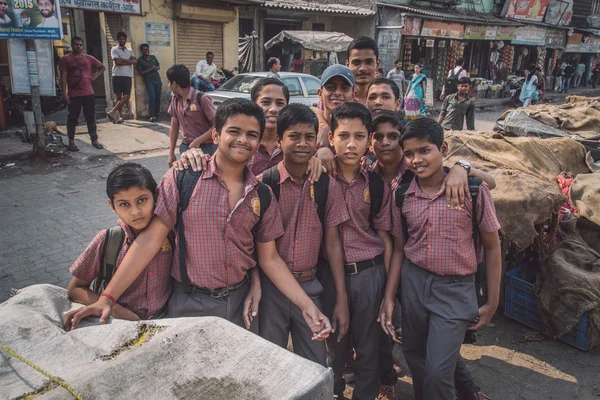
[519, 304]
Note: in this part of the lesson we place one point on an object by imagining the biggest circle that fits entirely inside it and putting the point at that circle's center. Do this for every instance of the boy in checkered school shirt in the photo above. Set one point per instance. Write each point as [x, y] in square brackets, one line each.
[438, 260]
[385, 144]
[131, 192]
[303, 234]
[367, 247]
[223, 209]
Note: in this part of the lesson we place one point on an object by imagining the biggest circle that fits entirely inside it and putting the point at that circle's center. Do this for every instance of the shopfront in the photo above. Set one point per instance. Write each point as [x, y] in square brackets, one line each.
[555, 46]
[483, 48]
[528, 48]
[583, 48]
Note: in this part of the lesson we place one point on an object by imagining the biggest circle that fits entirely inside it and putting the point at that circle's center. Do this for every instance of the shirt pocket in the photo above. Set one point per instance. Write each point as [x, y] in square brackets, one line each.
[455, 224]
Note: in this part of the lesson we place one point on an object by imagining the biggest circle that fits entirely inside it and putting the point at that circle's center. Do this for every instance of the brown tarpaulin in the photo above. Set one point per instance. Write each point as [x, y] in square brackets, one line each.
[525, 170]
[585, 195]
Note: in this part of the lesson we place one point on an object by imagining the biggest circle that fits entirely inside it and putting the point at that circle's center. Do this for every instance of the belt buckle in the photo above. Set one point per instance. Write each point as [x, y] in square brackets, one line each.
[355, 268]
[216, 294]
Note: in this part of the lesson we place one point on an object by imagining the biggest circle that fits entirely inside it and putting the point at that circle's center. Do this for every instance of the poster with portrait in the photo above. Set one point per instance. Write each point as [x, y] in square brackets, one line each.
[30, 19]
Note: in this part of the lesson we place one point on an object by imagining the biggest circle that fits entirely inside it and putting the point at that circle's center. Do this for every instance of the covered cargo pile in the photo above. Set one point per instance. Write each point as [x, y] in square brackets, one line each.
[184, 358]
[539, 183]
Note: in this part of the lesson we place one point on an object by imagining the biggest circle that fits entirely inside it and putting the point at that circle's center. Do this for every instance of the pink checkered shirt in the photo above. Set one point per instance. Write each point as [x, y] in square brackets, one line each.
[299, 246]
[359, 239]
[397, 179]
[262, 160]
[220, 245]
[149, 292]
[441, 239]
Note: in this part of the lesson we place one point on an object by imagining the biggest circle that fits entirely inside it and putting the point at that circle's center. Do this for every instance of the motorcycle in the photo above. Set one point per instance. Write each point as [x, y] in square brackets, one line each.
[227, 75]
[516, 85]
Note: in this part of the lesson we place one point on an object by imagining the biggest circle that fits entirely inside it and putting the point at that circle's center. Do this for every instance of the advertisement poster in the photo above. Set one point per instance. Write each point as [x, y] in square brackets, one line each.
[30, 19]
[412, 26]
[557, 39]
[473, 32]
[559, 12]
[452, 30]
[583, 44]
[531, 36]
[19, 72]
[532, 10]
[505, 33]
[157, 34]
[111, 6]
[388, 42]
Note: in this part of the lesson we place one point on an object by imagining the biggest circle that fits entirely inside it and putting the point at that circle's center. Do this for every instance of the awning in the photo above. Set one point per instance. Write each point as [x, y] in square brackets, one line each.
[451, 15]
[330, 8]
[313, 40]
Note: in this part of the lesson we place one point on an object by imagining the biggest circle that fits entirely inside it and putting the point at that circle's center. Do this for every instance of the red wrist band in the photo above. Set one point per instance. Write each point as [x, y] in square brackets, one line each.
[108, 296]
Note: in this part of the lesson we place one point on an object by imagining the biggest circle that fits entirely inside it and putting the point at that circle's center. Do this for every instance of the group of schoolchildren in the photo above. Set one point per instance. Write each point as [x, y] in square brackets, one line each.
[312, 223]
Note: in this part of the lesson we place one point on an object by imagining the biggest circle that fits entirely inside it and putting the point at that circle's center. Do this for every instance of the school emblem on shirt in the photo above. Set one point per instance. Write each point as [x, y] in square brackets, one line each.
[312, 191]
[166, 247]
[367, 196]
[193, 107]
[256, 206]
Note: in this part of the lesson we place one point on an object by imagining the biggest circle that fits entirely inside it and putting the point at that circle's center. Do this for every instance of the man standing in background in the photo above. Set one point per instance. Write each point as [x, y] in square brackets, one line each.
[397, 75]
[123, 58]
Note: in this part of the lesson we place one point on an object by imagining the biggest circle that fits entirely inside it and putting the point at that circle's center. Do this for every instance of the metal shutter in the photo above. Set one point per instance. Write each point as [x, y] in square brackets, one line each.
[195, 39]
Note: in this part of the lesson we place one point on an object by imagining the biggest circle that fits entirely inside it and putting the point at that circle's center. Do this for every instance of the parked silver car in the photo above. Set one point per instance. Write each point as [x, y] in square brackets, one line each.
[303, 87]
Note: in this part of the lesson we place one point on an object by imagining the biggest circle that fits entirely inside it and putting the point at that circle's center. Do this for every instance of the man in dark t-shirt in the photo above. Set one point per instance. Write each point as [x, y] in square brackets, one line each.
[568, 73]
[77, 74]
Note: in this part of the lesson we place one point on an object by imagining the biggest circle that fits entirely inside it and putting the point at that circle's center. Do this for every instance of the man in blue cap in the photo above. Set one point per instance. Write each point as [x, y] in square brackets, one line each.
[337, 87]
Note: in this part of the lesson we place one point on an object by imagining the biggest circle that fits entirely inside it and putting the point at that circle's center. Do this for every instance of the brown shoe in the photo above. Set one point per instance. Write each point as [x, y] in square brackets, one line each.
[387, 392]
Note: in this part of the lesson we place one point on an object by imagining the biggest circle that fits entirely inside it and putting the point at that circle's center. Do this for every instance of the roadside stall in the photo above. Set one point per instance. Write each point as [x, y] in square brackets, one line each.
[310, 48]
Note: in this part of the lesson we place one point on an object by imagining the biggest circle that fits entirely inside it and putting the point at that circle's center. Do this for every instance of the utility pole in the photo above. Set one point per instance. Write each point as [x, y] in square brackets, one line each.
[39, 143]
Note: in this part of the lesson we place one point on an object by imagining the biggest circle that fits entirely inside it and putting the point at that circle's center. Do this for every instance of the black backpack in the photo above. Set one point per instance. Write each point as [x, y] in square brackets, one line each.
[451, 83]
[474, 184]
[186, 182]
[113, 242]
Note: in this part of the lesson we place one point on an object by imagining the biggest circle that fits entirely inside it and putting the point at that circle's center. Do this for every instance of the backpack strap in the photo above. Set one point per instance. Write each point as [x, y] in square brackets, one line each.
[271, 178]
[186, 182]
[400, 196]
[376, 190]
[171, 239]
[474, 184]
[113, 242]
[264, 197]
[458, 73]
[321, 195]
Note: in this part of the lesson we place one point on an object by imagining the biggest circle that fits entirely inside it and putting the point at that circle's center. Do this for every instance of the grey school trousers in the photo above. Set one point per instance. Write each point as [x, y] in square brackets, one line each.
[365, 292]
[436, 311]
[278, 317]
[198, 304]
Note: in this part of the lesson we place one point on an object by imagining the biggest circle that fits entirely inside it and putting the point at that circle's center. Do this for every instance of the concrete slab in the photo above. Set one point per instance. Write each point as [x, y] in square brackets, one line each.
[13, 148]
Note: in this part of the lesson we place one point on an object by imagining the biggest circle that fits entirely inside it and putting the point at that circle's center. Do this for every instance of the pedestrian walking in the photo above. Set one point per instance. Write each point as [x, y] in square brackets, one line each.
[579, 71]
[414, 102]
[78, 71]
[596, 75]
[122, 75]
[397, 75]
[192, 114]
[457, 107]
[529, 90]
[453, 76]
[148, 66]
[205, 72]
[567, 75]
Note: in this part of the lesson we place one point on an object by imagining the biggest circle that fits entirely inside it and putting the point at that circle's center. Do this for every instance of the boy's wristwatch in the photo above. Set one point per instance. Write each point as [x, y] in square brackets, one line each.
[465, 164]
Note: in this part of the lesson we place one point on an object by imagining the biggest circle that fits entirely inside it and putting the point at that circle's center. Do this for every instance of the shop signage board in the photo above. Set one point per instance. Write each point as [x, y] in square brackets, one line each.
[476, 32]
[158, 34]
[111, 6]
[19, 72]
[451, 30]
[430, 43]
[24, 20]
[530, 35]
[388, 43]
[559, 12]
[412, 26]
[531, 10]
[578, 43]
[505, 33]
[557, 39]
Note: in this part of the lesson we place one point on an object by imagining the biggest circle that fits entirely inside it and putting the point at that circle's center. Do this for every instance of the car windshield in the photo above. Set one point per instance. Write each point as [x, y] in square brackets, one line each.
[241, 83]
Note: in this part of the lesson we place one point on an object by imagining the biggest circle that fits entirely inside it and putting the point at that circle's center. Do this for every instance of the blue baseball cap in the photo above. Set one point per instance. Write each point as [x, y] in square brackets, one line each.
[337, 70]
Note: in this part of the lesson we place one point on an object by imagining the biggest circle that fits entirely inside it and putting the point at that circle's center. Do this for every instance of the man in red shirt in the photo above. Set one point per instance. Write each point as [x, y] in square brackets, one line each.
[436, 252]
[77, 74]
[192, 114]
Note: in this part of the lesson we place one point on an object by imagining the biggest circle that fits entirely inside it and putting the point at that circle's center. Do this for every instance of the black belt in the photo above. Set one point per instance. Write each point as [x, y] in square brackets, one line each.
[357, 267]
[220, 292]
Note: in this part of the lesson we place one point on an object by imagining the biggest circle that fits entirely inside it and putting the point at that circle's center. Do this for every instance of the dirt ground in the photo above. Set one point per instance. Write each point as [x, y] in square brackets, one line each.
[509, 361]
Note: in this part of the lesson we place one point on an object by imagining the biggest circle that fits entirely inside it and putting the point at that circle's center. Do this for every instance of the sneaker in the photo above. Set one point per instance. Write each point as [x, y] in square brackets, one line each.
[387, 392]
[476, 394]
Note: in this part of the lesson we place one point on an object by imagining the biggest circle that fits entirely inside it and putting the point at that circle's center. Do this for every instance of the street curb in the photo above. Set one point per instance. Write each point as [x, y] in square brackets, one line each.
[23, 155]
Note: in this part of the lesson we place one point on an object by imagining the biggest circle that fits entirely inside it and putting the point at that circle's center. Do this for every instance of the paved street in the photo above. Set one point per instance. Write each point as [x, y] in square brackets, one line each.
[50, 213]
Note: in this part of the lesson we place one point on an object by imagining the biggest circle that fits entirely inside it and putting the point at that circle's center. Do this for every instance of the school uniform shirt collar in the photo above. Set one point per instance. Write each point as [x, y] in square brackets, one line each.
[129, 236]
[250, 180]
[284, 174]
[415, 189]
